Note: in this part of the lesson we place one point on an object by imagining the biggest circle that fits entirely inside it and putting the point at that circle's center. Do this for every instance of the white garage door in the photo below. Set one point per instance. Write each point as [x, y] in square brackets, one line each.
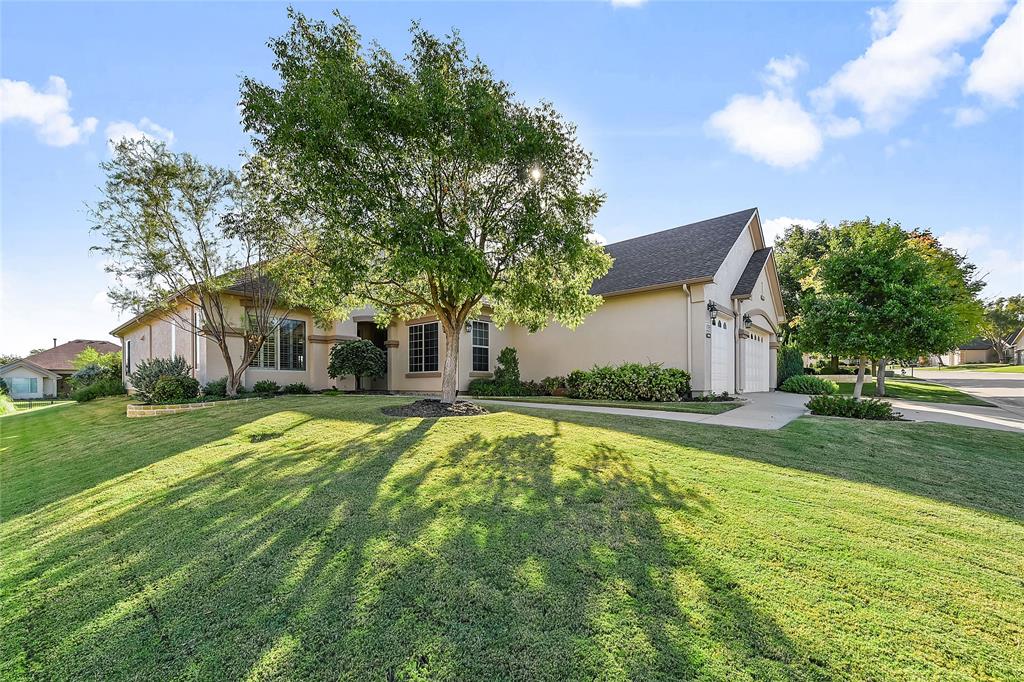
[755, 362]
[722, 357]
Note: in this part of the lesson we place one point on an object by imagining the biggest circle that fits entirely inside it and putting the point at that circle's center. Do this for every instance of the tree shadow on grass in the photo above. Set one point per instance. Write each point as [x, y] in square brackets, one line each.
[407, 552]
[974, 468]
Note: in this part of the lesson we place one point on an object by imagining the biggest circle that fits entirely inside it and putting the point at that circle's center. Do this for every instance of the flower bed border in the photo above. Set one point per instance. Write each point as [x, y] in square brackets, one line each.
[136, 410]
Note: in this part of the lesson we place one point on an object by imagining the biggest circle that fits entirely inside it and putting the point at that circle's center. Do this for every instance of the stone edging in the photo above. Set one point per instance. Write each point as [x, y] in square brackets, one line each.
[135, 410]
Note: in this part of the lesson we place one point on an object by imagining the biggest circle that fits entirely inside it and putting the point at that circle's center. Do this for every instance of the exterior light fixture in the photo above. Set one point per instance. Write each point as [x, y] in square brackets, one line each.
[469, 326]
[747, 322]
[712, 310]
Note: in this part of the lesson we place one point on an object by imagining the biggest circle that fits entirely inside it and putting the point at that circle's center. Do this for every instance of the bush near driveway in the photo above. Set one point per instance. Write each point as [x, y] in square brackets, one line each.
[809, 385]
[320, 540]
[842, 406]
[790, 363]
[630, 381]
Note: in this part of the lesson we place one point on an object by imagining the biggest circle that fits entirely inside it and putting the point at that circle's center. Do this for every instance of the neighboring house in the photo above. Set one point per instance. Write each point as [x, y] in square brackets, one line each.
[45, 374]
[976, 351]
[1015, 354]
[703, 297]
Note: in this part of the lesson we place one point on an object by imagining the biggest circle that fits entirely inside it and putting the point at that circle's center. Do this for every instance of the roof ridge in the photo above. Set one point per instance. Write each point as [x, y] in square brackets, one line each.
[680, 227]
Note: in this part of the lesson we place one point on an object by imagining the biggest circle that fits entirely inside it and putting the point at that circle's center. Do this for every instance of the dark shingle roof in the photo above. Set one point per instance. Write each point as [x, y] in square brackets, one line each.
[683, 253]
[976, 344]
[746, 282]
[59, 358]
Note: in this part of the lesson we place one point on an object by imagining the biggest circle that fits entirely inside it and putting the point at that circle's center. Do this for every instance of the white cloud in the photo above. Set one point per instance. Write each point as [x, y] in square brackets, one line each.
[912, 54]
[891, 149]
[780, 73]
[628, 3]
[968, 116]
[842, 127]
[998, 74]
[777, 226]
[769, 128]
[145, 129]
[1000, 260]
[597, 238]
[48, 110]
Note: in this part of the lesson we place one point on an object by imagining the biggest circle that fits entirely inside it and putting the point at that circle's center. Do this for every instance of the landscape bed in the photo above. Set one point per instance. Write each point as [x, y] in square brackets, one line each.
[922, 391]
[697, 406]
[321, 539]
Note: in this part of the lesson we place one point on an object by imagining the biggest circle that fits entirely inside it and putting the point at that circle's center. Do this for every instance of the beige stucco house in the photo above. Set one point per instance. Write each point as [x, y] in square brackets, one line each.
[703, 297]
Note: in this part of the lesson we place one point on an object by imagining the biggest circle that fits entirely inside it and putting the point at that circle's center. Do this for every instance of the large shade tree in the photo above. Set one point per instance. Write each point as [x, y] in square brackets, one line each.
[169, 239]
[881, 292]
[1004, 317]
[428, 188]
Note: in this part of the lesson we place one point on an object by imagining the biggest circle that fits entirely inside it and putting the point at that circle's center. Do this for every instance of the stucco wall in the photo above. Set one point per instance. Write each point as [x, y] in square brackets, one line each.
[643, 327]
[430, 382]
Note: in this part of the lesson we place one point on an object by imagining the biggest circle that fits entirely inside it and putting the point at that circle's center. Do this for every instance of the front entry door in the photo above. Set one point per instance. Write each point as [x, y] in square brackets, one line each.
[371, 332]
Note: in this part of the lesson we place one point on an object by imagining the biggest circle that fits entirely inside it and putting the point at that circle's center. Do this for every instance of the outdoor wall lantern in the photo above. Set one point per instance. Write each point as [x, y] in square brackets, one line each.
[747, 322]
[469, 326]
[712, 310]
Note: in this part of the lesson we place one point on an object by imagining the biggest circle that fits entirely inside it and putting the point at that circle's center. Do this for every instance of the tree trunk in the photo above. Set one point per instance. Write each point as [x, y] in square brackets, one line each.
[833, 365]
[357, 383]
[880, 378]
[450, 373]
[858, 388]
[231, 387]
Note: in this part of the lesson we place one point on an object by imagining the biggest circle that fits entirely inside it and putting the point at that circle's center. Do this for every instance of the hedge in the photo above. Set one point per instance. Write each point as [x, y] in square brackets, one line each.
[810, 385]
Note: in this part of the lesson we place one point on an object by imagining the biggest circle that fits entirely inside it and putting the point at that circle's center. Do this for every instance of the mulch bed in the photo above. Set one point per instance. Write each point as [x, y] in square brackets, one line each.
[434, 408]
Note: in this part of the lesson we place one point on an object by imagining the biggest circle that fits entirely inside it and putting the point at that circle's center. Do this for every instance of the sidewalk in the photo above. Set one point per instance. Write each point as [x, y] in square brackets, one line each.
[765, 411]
[961, 415]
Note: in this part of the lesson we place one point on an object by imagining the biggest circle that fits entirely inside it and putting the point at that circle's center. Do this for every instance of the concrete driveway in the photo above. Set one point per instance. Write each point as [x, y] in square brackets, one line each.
[999, 388]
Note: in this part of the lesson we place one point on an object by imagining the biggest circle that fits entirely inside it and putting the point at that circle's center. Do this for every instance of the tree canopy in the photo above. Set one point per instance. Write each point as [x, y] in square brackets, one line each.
[881, 292]
[425, 186]
[1003, 316]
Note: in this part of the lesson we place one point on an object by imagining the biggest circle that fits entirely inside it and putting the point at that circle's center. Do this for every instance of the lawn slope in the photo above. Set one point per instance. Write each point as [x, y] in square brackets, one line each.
[314, 538]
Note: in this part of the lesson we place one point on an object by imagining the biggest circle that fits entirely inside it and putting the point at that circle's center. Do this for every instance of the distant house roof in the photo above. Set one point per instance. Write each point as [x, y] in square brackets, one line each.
[976, 344]
[746, 282]
[1012, 336]
[682, 254]
[58, 359]
[28, 365]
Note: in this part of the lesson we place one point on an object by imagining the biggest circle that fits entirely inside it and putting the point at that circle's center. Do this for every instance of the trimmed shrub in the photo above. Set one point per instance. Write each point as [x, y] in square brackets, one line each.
[507, 370]
[553, 385]
[630, 381]
[296, 388]
[357, 358]
[218, 388]
[6, 404]
[148, 372]
[843, 406]
[790, 363]
[174, 389]
[810, 385]
[98, 389]
[265, 386]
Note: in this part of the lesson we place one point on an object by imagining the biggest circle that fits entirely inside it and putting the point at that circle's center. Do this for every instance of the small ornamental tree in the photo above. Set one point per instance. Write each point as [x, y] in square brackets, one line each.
[880, 292]
[357, 358]
[433, 189]
[175, 243]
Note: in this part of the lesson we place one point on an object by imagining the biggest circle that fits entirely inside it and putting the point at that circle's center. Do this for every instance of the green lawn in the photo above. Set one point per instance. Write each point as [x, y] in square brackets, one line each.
[698, 407]
[916, 390]
[1013, 369]
[314, 538]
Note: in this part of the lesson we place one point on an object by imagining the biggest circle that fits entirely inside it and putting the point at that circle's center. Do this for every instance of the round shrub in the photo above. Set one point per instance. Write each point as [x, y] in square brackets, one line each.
[148, 372]
[174, 389]
[265, 386]
[218, 388]
[357, 358]
[843, 406]
[297, 387]
[810, 385]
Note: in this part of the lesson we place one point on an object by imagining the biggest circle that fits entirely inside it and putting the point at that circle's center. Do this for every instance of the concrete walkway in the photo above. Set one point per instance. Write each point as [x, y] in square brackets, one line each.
[962, 415]
[766, 411]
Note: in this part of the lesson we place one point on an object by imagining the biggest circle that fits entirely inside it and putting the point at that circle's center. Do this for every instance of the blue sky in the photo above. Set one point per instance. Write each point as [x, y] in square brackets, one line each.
[809, 111]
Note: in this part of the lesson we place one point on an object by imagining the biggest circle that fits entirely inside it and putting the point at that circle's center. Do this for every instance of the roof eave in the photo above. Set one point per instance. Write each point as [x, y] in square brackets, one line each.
[656, 287]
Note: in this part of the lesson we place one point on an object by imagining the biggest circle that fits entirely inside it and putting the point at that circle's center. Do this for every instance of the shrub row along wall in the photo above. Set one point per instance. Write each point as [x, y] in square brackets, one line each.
[157, 410]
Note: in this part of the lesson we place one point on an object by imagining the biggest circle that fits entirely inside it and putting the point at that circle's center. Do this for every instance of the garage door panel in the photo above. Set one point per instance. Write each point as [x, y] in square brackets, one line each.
[755, 362]
[722, 357]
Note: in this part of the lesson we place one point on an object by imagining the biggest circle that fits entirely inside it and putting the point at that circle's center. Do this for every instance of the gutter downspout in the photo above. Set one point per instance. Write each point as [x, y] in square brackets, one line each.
[689, 332]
